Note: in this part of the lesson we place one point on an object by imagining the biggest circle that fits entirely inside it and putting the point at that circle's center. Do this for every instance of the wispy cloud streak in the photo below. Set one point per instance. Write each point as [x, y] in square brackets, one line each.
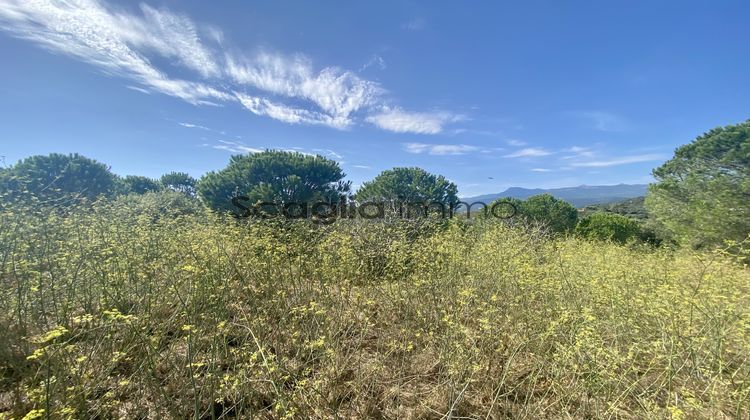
[400, 121]
[235, 147]
[337, 93]
[287, 88]
[529, 152]
[439, 149]
[88, 31]
[619, 161]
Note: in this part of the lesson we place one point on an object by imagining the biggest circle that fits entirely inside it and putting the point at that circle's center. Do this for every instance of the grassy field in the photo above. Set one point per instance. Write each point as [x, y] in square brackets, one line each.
[125, 312]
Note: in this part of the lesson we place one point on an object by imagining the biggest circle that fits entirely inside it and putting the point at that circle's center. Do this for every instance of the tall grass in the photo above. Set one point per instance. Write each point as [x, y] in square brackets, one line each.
[126, 312]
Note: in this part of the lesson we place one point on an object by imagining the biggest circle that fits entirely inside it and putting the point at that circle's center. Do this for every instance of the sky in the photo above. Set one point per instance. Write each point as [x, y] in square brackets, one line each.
[489, 94]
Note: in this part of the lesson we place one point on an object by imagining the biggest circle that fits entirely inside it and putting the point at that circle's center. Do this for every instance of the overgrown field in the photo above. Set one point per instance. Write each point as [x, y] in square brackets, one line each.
[126, 313]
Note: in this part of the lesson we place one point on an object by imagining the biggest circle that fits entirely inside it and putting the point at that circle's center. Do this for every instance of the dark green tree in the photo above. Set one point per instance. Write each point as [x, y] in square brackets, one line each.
[136, 184]
[408, 185]
[274, 176]
[56, 179]
[703, 193]
[559, 215]
[609, 227]
[506, 208]
[180, 182]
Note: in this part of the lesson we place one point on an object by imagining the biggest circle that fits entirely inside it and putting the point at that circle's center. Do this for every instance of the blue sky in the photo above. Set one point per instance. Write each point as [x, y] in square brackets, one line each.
[490, 94]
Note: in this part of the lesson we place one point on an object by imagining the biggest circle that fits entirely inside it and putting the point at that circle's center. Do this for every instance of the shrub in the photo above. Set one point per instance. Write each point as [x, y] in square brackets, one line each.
[110, 312]
[156, 204]
[609, 227]
[557, 215]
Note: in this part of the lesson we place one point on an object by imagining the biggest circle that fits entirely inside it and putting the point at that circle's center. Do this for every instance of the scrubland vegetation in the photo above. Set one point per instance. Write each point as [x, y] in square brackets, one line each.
[144, 308]
[127, 297]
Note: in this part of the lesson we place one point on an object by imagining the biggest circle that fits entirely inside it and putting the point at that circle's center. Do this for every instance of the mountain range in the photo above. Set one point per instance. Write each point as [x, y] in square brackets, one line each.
[580, 196]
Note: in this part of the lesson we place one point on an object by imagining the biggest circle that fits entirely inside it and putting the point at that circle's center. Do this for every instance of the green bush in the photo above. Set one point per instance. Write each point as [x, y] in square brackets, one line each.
[110, 312]
[609, 227]
[558, 216]
[157, 204]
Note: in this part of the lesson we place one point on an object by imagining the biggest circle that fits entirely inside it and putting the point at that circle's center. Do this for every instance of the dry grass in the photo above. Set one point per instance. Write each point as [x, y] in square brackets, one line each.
[118, 313]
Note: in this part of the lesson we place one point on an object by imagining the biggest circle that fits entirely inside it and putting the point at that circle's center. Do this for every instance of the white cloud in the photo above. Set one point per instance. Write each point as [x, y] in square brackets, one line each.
[578, 152]
[439, 149]
[361, 167]
[400, 121]
[541, 170]
[374, 61]
[515, 142]
[202, 127]
[287, 114]
[619, 161]
[529, 152]
[336, 92]
[189, 125]
[235, 147]
[138, 89]
[85, 29]
[171, 35]
[130, 44]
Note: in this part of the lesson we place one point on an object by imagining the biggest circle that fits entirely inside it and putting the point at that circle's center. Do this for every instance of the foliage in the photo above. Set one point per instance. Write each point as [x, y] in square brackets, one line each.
[633, 207]
[180, 182]
[156, 204]
[556, 215]
[608, 227]
[136, 184]
[110, 312]
[56, 179]
[506, 208]
[703, 193]
[652, 231]
[414, 185]
[273, 176]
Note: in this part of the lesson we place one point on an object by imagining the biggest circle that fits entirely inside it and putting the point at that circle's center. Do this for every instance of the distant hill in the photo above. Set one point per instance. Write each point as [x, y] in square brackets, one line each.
[580, 196]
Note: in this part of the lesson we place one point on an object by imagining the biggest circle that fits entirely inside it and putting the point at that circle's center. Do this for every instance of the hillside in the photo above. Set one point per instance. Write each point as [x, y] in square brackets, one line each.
[579, 196]
[632, 207]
